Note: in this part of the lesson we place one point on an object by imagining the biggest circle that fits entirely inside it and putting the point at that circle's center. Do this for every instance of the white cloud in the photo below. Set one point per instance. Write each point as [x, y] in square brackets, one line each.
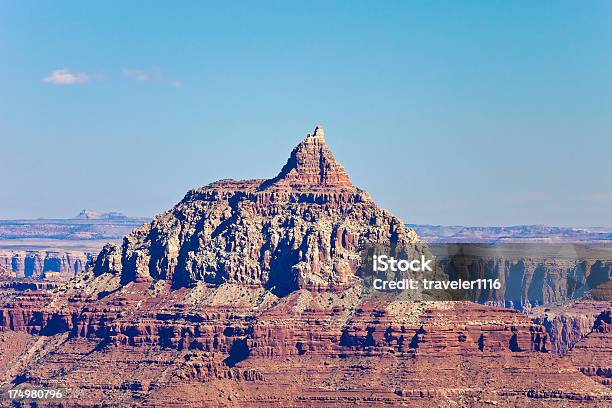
[66, 77]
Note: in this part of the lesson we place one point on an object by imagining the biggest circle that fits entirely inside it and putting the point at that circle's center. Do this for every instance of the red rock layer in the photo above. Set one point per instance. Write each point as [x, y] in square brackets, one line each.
[593, 354]
[136, 347]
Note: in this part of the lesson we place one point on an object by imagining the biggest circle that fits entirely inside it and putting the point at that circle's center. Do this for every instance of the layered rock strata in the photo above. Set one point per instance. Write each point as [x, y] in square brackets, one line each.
[245, 294]
[61, 265]
[545, 276]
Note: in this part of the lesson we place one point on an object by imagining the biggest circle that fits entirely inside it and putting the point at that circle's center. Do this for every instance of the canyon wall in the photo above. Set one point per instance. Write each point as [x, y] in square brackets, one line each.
[532, 279]
[44, 264]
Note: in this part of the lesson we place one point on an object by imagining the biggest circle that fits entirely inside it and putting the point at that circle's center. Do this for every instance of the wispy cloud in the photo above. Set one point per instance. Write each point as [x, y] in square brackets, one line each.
[154, 75]
[137, 74]
[67, 77]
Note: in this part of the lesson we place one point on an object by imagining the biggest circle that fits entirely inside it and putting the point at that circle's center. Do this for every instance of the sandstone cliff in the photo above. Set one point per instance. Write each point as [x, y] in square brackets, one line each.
[532, 274]
[54, 264]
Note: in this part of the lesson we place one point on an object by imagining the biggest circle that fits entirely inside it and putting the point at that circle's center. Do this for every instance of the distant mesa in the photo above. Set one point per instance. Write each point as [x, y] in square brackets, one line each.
[86, 214]
[88, 225]
[516, 233]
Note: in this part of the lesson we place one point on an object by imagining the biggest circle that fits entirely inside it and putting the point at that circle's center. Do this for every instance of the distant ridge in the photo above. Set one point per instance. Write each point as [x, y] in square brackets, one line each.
[516, 233]
[87, 225]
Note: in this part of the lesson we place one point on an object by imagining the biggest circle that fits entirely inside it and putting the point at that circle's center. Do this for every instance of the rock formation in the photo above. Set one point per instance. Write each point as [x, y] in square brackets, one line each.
[311, 165]
[245, 294]
[302, 229]
[593, 354]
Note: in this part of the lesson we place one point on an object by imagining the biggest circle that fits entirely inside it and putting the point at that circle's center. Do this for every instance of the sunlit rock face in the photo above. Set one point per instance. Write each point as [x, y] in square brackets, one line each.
[303, 228]
[312, 165]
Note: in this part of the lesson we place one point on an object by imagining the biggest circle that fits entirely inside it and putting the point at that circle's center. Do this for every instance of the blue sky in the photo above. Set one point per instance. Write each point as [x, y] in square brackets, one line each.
[477, 113]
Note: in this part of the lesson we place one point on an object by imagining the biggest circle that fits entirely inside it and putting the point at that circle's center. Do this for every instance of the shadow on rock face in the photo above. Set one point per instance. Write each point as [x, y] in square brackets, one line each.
[238, 352]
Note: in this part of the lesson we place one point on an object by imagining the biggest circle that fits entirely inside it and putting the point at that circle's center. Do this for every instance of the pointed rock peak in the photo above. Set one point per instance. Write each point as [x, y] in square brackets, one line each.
[311, 165]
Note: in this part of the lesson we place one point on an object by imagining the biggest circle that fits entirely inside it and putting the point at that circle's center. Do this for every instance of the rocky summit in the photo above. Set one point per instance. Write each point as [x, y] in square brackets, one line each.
[312, 166]
[301, 229]
[245, 294]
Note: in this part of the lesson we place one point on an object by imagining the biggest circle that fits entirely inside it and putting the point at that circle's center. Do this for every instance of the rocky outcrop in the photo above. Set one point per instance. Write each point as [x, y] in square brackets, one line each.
[311, 165]
[372, 328]
[582, 332]
[8, 286]
[593, 355]
[301, 229]
[568, 323]
[108, 260]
